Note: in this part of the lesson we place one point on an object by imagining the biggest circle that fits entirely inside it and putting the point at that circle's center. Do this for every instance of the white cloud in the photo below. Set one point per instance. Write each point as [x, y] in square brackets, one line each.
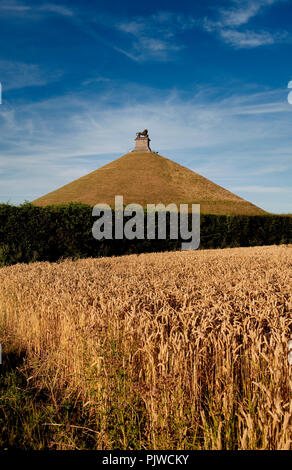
[72, 173]
[242, 11]
[176, 122]
[59, 9]
[247, 39]
[156, 36]
[16, 8]
[96, 80]
[264, 189]
[153, 37]
[132, 27]
[13, 7]
[228, 26]
[227, 170]
[20, 75]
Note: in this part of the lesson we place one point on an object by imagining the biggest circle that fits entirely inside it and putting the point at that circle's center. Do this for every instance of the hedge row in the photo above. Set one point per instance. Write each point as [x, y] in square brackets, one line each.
[29, 233]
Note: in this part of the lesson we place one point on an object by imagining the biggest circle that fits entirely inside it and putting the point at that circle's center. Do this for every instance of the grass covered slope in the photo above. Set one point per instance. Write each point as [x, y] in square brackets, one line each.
[146, 178]
[118, 354]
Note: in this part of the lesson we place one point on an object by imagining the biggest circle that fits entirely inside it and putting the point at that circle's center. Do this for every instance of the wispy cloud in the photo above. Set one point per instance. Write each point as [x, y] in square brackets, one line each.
[230, 22]
[59, 9]
[99, 79]
[20, 75]
[241, 11]
[17, 8]
[149, 38]
[154, 37]
[176, 121]
[13, 7]
[158, 36]
[145, 49]
[264, 189]
[249, 39]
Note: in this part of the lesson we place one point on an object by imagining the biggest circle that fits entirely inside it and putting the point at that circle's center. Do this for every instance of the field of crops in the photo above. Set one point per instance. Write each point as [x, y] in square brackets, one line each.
[184, 350]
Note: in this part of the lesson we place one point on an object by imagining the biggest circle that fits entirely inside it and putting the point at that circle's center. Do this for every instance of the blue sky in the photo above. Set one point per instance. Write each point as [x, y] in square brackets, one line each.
[208, 79]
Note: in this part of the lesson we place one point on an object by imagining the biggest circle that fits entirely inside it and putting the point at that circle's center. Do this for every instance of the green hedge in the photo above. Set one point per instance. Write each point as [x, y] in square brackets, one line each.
[29, 233]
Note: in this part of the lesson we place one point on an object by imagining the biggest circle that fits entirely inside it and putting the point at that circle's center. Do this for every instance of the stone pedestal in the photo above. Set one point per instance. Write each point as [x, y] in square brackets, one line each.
[142, 144]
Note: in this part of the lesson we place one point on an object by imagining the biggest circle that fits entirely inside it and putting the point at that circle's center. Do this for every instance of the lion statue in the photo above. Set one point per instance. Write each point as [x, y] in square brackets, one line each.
[142, 134]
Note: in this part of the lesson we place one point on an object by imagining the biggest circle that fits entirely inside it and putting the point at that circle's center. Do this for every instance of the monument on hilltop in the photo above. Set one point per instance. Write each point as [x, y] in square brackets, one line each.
[142, 142]
[144, 177]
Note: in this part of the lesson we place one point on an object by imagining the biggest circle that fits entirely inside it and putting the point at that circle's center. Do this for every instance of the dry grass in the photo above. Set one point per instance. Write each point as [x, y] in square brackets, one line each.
[149, 178]
[179, 350]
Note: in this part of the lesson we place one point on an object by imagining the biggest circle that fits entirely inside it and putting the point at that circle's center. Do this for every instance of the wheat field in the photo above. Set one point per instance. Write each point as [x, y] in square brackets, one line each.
[184, 350]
